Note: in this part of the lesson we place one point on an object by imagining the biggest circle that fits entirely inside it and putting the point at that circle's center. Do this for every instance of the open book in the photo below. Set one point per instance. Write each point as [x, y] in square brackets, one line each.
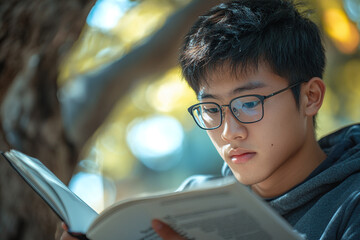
[221, 209]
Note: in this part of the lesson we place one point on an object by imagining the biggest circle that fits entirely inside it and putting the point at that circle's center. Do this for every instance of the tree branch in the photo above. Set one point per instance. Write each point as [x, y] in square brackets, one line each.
[100, 90]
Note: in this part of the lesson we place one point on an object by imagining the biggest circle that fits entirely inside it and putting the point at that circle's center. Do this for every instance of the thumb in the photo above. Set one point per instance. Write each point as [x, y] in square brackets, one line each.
[165, 231]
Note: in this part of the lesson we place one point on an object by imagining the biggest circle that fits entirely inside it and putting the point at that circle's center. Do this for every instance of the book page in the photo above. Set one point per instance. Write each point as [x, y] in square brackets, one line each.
[69, 207]
[230, 212]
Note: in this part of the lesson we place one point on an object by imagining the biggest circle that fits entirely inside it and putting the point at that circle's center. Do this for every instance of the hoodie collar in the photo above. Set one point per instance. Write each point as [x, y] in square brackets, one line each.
[343, 150]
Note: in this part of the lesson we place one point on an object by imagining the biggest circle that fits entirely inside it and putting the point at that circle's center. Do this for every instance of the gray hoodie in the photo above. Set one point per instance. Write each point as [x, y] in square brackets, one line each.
[326, 205]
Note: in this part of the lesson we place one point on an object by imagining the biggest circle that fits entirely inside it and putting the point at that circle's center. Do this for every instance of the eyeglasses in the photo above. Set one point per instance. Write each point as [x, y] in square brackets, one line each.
[246, 109]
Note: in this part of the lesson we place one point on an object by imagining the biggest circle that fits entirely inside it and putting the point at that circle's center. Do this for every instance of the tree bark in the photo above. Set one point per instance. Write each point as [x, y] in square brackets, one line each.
[34, 37]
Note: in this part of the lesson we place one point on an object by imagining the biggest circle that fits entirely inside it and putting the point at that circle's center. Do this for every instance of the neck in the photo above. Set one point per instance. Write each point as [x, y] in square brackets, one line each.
[292, 172]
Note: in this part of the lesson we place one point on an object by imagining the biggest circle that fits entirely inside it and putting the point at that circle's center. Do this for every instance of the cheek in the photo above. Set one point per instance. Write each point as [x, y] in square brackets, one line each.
[215, 137]
[282, 135]
[279, 129]
[282, 119]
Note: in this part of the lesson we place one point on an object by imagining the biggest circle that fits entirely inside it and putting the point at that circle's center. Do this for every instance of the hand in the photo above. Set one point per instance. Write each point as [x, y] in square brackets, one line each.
[162, 229]
[165, 231]
[66, 235]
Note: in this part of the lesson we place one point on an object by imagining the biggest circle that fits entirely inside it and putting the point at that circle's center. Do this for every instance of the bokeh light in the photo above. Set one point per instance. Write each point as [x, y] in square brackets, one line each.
[106, 13]
[343, 32]
[94, 189]
[156, 141]
[352, 8]
[170, 94]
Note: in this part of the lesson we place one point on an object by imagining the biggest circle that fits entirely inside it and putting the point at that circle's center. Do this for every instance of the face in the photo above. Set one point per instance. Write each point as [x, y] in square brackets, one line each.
[265, 152]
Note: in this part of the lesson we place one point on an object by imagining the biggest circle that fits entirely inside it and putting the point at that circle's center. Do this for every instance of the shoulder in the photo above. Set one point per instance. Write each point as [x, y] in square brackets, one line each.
[196, 181]
[343, 204]
[345, 223]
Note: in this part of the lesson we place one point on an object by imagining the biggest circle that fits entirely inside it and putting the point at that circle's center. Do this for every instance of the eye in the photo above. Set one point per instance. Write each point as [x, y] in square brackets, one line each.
[250, 105]
[211, 110]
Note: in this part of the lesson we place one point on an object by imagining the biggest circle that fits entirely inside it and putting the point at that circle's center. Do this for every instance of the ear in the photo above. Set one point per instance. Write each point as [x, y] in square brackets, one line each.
[313, 96]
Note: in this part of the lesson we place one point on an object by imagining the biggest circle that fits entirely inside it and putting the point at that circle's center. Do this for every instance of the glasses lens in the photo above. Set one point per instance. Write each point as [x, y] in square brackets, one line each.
[207, 115]
[247, 109]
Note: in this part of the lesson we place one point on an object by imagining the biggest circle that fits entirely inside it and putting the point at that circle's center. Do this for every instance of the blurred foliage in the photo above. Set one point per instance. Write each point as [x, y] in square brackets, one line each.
[97, 46]
[165, 95]
[169, 95]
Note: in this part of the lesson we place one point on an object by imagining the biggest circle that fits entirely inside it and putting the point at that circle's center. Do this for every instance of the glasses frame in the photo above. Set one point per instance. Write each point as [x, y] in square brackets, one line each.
[262, 98]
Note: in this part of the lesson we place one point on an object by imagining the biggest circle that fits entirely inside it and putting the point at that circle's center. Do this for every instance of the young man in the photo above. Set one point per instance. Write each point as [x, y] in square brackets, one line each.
[256, 67]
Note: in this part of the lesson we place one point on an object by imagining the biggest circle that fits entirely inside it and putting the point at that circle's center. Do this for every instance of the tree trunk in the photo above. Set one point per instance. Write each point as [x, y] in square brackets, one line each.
[34, 36]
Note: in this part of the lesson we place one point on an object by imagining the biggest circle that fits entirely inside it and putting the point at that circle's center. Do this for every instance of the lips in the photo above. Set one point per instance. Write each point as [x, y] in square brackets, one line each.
[239, 156]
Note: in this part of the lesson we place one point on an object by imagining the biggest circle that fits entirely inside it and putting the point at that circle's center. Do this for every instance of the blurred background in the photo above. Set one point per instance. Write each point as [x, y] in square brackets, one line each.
[150, 142]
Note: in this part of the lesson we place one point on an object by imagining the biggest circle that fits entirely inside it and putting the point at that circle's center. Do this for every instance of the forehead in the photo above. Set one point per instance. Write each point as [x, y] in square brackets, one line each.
[225, 81]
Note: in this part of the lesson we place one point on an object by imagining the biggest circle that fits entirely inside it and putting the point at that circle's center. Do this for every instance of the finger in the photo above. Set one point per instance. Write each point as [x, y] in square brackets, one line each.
[64, 226]
[67, 236]
[164, 231]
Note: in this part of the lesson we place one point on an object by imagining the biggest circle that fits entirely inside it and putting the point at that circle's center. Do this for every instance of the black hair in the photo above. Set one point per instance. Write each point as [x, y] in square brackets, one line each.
[243, 33]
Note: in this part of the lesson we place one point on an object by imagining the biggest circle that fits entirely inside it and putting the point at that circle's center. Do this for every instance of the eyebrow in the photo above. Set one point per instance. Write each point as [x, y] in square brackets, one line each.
[239, 90]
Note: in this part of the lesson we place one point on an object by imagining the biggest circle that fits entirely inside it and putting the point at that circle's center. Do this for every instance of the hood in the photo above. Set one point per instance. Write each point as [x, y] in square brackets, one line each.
[343, 159]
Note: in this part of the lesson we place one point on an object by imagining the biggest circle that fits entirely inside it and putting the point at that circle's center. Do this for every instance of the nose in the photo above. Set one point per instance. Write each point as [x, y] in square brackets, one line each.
[232, 128]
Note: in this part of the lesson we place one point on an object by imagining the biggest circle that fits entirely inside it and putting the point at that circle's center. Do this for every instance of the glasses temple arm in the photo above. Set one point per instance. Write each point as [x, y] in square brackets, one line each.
[283, 90]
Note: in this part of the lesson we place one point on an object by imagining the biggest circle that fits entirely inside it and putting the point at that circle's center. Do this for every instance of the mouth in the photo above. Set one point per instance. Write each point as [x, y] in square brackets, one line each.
[241, 158]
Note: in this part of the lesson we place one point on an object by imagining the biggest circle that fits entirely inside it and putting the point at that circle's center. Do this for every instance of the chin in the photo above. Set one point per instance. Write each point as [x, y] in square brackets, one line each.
[247, 179]
[244, 180]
